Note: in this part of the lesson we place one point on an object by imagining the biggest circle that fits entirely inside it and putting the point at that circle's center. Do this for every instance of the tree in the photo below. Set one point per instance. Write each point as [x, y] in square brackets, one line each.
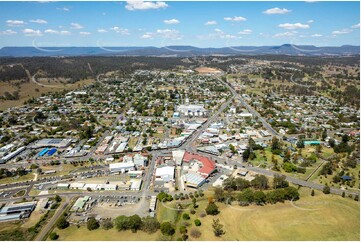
[246, 197]
[324, 134]
[135, 223]
[183, 229]
[163, 197]
[92, 224]
[260, 182]
[345, 138]
[259, 197]
[343, 194]
[167, 228]
[246, 154]
[53, 236]
[186, 216]
[331, 143]
[194, 202]
[218, 194]
[150, 225]
[57, 198]
[313, 193]
[300, 144]
[217, 228]
[275, 143]
[62, 223]
[197, 222]
[326, 189]
[107, 224]
[279, 181]
[212, 209]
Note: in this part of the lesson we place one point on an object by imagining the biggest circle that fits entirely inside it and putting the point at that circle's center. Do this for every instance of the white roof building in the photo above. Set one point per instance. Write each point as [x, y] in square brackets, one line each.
[121, 167]
[178, 156]
[140, 160]
[165, 173]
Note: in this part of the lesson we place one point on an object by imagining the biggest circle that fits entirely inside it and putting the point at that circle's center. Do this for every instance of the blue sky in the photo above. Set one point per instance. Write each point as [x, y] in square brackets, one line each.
[202, 24]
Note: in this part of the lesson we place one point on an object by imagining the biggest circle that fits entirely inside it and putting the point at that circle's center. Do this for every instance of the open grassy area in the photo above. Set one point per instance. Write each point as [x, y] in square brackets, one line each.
[29, 90]
[27, 177]
[330, 217]
[82, 233]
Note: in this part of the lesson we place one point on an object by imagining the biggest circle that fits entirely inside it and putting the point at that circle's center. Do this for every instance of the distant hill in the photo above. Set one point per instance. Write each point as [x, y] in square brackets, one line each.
[180, 51]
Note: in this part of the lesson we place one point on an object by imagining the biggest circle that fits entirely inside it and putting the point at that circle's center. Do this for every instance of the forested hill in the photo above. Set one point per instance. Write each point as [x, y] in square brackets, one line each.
[83, 67]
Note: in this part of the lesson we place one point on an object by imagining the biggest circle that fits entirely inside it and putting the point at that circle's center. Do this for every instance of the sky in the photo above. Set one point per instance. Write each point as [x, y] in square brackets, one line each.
[166, 23]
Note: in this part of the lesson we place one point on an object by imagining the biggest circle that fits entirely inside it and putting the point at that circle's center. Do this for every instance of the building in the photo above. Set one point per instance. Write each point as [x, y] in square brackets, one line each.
[153, 204]
[57, 143]
[121, 167]
[139, 160]
[79, 204]
[135, 184]
[165, 173]
[199, 164]
[193, 180]
[76, 185]
[17, 211]
[178, 156]
[12, 154]
[63, 186]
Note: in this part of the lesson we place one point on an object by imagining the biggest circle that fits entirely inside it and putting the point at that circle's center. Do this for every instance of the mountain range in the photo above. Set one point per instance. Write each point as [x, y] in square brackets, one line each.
[181, 51]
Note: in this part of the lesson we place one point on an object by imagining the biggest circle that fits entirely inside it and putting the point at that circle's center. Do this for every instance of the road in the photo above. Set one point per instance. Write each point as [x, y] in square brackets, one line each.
[252, 110]
[48, 226]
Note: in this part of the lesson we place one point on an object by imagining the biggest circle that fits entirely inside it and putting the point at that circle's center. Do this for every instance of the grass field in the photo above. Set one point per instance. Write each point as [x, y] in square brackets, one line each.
[29, 90]
[82, 233]
[333, 218]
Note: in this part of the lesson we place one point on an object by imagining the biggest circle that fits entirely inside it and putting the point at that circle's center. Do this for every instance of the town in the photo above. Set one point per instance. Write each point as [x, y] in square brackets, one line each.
[111, 147]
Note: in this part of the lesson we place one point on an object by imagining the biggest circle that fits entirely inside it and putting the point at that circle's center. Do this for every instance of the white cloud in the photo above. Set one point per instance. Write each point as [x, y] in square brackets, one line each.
[294, 26]
[356, 26]
[171, 21]
[76, 26]
[147, 35]
[235, 19]
[245, 31]
[310, 21]
[32, 32]
[285, 34]
[316, 35]
[277, 11]
[102, 31]
[51, 31]
[38, 21]
[15, 23]
[64, 9]
[84, 33]
[212, 22]
[120, 30]
[8, 32]
[342, 31]
[141, 5]
[169, 34]
[163, 33]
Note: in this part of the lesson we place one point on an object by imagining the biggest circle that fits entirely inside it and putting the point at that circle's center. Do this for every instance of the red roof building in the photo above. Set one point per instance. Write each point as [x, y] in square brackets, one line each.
[208, 166]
